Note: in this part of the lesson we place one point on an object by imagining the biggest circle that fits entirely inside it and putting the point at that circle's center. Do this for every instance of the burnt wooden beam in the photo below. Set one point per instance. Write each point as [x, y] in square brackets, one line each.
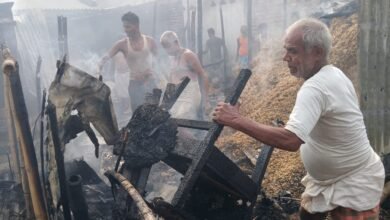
[172, 93]
[38, 80]
[261, 164]
[205, 149]
[59, 157]
[250, 37]
[200, 31]
[187, 123]
[224, 170]
[224, 43]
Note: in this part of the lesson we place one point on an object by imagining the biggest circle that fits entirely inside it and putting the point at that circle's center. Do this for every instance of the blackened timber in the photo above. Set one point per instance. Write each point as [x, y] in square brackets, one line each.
[38, 79]
[261, 164]
[41, 146]
[224, 43]
[227, 171]
[78, 203]
[172, 93]
[249, 25]
[205, 148]
[59, 157]
[187, 123]
[258, 174]
[200, 31]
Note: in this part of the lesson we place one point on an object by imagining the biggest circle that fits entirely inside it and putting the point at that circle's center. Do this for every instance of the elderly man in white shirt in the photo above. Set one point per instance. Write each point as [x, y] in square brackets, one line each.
[345, 176]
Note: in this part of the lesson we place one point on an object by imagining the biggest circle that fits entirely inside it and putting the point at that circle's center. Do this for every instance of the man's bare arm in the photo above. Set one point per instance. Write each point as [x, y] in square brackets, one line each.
[281, 138]
[118, 47]
[153, 46]
[195, 66]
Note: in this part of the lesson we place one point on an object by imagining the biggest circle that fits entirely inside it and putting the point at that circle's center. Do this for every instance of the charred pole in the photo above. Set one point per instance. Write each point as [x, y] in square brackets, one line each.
[59, 157]
[38, 80]
[200, 31]
[249, 25]
[154, 20]
[11, 71]
[192, 31]
[223, 41]
[63, 36]
[205, 148]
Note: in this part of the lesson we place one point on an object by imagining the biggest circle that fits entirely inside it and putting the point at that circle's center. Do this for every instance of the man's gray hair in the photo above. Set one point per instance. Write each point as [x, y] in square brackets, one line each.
[315, 33]
[169, 37]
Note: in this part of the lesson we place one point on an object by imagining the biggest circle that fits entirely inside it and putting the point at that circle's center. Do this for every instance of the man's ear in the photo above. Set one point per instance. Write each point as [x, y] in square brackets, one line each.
[318, 52]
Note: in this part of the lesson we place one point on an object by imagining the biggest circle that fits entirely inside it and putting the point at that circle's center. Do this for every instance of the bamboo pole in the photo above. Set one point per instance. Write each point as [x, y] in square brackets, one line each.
[145, 212]
[14, 136]
[20, 116]
[11, 135]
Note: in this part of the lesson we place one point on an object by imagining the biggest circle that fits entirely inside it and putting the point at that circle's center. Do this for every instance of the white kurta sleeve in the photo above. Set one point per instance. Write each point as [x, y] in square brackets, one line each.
[309, 106]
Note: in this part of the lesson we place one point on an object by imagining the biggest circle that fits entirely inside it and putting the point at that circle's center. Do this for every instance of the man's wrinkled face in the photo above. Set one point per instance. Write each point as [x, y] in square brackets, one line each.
[130, 29]
[301, 62]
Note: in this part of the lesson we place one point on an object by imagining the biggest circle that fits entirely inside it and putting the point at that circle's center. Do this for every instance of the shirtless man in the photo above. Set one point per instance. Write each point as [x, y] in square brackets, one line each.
[138, 50]
[186, 63]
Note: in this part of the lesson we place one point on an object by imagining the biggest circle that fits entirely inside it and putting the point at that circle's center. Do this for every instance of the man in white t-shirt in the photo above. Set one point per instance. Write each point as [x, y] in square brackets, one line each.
[345, 176]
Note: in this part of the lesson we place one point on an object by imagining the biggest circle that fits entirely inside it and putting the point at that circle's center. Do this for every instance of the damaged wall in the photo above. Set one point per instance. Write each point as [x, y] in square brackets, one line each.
[373, 56]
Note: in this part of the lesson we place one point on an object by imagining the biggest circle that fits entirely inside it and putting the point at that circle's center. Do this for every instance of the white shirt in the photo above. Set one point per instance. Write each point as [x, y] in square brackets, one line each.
[342, 168]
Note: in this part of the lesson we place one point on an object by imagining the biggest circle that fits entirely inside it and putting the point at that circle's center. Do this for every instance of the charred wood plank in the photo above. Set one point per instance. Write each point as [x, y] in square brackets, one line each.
[59, 157]
[223, 169]
[205, 149]
[261, 164]
[78, 203]
[187, 123]
[172, 93]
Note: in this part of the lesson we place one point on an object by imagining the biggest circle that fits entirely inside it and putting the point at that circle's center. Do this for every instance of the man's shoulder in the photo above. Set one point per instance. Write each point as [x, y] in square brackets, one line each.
[149, 38]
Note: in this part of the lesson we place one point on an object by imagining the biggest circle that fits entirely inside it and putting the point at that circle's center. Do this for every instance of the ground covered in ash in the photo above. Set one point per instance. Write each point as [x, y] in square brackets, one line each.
[270, 95]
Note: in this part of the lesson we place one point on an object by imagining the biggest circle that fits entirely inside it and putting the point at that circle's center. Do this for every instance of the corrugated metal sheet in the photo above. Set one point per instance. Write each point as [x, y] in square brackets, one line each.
[374, 68]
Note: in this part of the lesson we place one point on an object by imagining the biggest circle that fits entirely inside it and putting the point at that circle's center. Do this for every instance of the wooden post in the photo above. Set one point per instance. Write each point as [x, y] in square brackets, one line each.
[188, 29]
[15, 141]
[224, 45]
[154, 20]
[11, 71]
[192, 32]
[200, 31]
[59, 157]
[285, 14]
[250, 37]
[38, 80]
[11, 135]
